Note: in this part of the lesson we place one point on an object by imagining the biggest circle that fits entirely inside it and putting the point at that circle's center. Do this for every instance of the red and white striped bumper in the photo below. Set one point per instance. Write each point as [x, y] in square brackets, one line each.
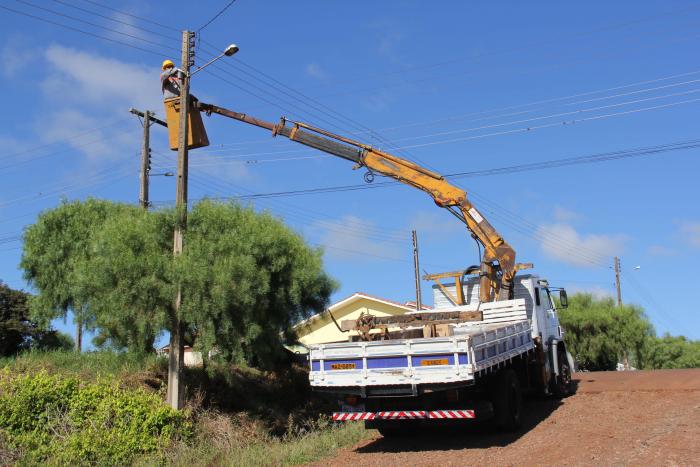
[404, 415]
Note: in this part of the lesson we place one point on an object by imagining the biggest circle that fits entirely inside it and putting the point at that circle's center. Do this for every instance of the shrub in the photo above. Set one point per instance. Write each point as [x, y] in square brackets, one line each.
[56, 419]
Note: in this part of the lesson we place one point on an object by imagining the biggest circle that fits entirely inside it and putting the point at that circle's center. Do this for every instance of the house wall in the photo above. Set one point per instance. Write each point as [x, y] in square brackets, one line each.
[322, 330]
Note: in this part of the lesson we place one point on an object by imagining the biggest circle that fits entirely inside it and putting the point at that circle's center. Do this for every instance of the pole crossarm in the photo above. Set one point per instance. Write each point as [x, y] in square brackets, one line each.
[150, 117]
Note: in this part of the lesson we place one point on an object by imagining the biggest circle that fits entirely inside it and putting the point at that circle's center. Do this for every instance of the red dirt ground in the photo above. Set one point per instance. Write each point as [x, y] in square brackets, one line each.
[615, 418]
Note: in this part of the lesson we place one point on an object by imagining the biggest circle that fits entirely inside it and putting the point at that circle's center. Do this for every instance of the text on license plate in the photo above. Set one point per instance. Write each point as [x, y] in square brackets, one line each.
[437, 361]
[342, 366]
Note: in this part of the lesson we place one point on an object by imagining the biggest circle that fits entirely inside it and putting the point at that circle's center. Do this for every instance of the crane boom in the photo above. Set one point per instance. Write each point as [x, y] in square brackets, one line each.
[498, 267]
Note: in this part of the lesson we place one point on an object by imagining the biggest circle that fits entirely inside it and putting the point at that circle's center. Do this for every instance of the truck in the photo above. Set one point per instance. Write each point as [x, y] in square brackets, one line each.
[493, 335]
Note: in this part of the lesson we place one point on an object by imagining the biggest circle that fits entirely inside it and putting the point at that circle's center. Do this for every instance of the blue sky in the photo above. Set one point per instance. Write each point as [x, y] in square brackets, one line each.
[457, 86]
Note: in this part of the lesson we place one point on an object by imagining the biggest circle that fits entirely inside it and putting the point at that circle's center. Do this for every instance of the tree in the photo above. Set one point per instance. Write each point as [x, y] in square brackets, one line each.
[57, 250]
[18, 332]
[600, 334]
[15, 328]
[245, 276]
[672, 352]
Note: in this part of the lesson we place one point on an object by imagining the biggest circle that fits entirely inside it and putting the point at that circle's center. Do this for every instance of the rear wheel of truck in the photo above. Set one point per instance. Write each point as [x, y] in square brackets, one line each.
[507, 401]
[562, 386]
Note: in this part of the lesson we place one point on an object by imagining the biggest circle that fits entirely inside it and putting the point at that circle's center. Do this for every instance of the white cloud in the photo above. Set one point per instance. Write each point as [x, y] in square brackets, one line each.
[14, 56]
[661, 250]
[347, 236]
[435, 221]
[595, 290]
[562, 242]
[90, 78]
[691, 233]
[565, 215]
[314, 70]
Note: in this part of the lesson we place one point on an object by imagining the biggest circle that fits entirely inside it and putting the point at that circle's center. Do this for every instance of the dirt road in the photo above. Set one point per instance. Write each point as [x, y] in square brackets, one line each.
[622, 418]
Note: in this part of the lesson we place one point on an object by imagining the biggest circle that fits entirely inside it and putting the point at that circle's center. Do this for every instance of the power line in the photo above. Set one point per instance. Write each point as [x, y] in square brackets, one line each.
[314, 103]
[519, 224]
[518, 106]
[101, 5]
[81, 31]
[115, 31]
[221, 12]
[115, 20]
[600, 157]
[550, 125]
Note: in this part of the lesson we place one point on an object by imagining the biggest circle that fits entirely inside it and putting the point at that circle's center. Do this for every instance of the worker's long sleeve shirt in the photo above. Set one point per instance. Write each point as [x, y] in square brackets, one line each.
[170, 81]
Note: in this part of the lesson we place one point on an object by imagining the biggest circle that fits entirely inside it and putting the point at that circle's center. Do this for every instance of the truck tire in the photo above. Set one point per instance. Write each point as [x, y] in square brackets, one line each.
[562, 386]
[507, 401]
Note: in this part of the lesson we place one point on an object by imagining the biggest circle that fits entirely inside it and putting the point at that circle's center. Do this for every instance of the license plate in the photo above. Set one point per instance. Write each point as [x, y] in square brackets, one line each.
[437, 361]
[342, 366]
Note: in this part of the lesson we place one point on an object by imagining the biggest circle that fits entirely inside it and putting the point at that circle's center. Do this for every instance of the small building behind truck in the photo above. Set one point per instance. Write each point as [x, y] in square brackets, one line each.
[321, 329]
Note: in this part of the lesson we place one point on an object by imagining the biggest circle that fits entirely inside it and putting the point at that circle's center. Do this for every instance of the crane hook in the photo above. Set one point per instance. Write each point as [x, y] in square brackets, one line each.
[368, 176]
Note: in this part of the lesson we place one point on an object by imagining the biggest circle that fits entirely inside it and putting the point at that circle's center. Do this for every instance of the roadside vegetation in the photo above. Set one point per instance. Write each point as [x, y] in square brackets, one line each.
[106, 408]
[599, 335]
[248, 278]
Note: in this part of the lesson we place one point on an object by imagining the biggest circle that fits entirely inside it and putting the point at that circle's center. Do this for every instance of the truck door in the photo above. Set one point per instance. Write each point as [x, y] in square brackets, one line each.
[551, 326]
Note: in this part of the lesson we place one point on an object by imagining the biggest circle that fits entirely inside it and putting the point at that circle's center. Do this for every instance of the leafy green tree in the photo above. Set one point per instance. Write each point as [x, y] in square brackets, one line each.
[672, 352]
[56, 249]
[18, 332]
[15, 328]
[253, 278]
[599, 334]
[245, 276]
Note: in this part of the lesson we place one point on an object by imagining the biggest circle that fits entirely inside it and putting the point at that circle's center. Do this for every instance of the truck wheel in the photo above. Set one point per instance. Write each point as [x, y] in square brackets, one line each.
[507, 401]
[562, 386]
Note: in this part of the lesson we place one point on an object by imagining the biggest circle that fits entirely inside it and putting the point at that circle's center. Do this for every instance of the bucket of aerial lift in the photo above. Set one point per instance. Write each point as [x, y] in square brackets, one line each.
[196, 133]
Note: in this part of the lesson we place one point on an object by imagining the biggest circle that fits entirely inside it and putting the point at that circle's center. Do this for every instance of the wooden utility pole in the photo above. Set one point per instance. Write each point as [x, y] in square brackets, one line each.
[145, 160]
[175, 395]
[148, 120]
[617, 281]
[419, 304]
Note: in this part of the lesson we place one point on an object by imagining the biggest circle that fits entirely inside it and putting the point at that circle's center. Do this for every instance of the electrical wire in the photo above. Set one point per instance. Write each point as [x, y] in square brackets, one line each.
[554, 163]
[221, 12]
[101, 5]
[115, 20]
[81, 31]
[114, 31]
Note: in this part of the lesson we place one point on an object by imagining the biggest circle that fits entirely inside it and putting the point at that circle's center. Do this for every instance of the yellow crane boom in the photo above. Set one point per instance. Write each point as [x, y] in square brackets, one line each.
[498, 267]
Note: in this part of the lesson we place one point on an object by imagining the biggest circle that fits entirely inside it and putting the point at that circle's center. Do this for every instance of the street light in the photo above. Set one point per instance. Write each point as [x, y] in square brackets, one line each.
[229, 51]
[164, 174]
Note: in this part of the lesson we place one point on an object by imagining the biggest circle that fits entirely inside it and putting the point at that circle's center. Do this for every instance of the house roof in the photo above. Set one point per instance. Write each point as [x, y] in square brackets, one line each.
[348, 300]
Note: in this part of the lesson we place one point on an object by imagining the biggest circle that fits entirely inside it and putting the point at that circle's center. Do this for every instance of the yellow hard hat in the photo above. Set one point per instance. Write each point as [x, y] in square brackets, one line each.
[167, 63]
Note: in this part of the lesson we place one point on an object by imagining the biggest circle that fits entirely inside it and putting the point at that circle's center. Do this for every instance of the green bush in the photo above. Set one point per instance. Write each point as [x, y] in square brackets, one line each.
[56, 419]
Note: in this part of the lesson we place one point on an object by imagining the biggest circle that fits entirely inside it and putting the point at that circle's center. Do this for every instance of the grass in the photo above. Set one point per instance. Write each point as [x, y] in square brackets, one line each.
[237, 449]
[88, 365]
[240, 415]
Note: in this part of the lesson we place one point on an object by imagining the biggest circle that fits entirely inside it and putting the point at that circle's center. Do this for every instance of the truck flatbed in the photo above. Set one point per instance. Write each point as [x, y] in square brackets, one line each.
[369, 368]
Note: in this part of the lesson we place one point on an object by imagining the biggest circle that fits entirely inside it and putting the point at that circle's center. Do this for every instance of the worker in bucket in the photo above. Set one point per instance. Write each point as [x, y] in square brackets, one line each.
[170, 78]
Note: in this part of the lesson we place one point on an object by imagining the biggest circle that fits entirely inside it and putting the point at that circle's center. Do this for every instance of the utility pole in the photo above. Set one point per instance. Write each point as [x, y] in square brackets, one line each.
[148, 120]
[419, 304]
[145, 160]
[617, 281]
[175, 395]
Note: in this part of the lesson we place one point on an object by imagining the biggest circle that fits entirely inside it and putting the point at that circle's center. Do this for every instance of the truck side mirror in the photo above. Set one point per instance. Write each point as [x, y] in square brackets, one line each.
[563, 299]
